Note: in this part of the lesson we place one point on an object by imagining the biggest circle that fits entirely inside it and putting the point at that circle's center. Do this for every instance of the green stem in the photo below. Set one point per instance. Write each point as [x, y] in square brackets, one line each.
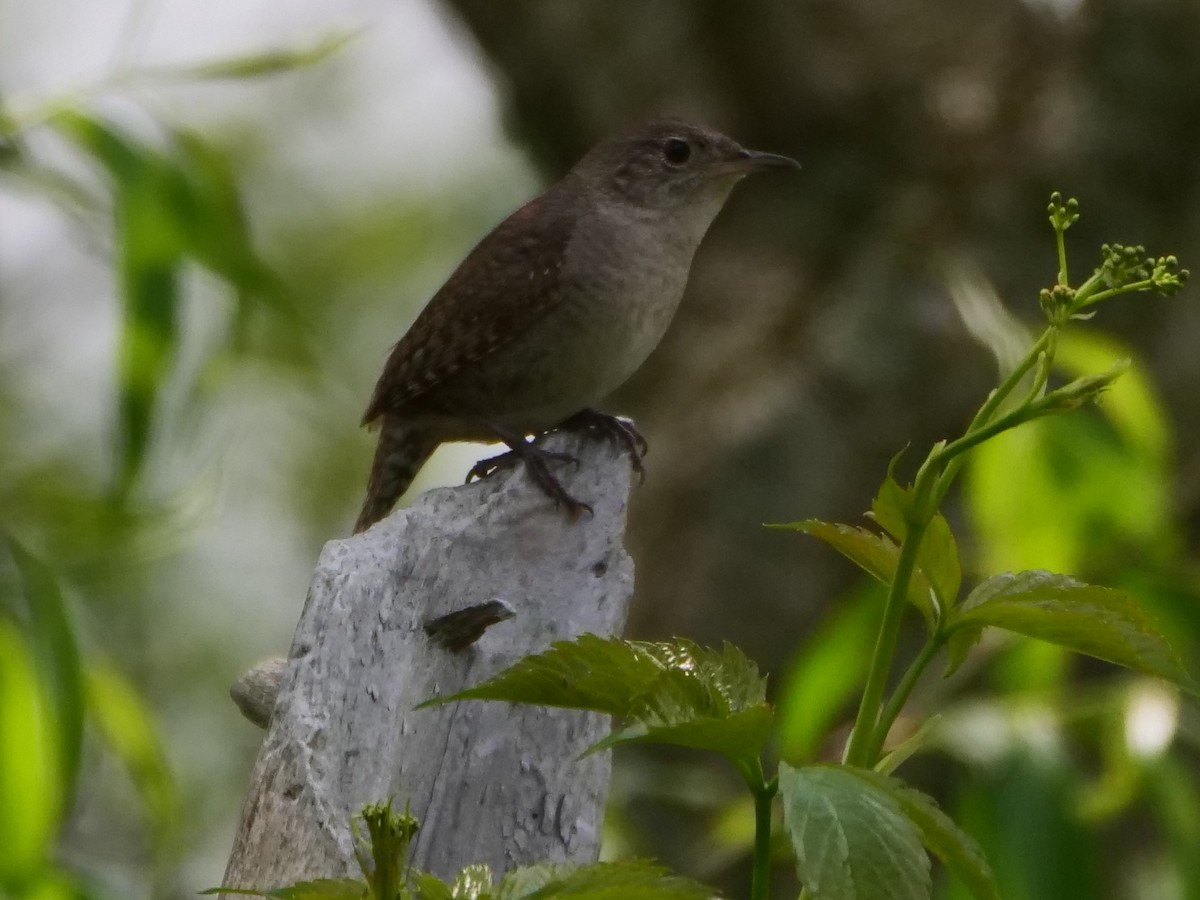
[858, 750]
[908, 681]
[1010, 383]
[1145, 284]
[1062, 257]
[1044, 344]
[764, 794]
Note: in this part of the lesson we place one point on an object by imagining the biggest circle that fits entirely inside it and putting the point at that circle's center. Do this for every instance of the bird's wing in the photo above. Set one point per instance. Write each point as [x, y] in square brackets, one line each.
[506, 284]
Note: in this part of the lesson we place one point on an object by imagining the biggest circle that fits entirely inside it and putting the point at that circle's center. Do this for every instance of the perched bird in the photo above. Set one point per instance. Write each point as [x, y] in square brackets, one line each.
[555, 308]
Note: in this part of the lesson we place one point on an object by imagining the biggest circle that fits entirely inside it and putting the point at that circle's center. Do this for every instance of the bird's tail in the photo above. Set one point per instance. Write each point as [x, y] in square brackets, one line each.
[401, 452]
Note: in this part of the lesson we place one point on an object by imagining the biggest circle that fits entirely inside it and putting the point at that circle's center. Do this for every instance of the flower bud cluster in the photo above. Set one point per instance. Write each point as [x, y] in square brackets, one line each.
[1062, 214]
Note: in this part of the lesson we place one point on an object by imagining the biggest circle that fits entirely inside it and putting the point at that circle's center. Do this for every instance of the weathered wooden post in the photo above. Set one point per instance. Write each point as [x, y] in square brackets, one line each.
[490, 782]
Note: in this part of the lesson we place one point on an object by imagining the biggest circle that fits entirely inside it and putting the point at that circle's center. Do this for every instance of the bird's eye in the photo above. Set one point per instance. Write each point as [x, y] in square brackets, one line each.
[676, 151]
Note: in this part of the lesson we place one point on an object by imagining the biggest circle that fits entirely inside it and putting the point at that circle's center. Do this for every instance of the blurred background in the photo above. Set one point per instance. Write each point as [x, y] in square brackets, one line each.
[216, 218]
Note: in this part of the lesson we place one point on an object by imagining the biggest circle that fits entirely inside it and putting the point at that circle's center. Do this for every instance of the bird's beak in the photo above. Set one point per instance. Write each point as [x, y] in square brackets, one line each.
[747, 161]
[753, 160]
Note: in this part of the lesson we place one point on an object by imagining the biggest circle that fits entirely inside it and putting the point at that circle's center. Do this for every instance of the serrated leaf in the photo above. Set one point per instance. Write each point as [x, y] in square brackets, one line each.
[892, 507]
[321, 889]
[632, 880]
[957, 850]
[852, 839]
[875, 554]
[737, 736]
[938, 556]
[599, 674]
[669, 692]
[1088, 619]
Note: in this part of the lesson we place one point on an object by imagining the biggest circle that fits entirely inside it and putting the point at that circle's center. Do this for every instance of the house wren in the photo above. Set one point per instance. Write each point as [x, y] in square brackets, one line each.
[555, 308]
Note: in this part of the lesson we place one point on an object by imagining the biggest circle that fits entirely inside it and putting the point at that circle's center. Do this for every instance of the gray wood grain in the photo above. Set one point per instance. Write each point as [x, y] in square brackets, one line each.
[490, 782]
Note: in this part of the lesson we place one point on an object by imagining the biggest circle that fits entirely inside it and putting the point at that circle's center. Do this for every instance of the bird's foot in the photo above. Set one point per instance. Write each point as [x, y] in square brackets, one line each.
[536, 461]
[617, 429]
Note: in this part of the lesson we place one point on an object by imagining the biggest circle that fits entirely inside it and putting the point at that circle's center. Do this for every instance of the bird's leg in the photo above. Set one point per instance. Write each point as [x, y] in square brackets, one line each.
[618, 429]
[536, 462]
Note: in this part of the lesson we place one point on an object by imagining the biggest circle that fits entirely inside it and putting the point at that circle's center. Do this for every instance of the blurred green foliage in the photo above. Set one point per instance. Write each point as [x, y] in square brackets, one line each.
[1044, 759]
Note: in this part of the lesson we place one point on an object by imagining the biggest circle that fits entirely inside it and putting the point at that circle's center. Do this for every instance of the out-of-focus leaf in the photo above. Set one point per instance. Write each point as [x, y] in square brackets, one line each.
[472, 883]
[852, 839]
[57, 654]
[956, 849]
[909, 747]
[875, 554]
[1021, 815]
[671, 692]
[128, 729]
[214, 218]
[959, 645]
[171, 206]
[633, 880]
[430, 887]
[151, 242]
[1175, 801]
[30, 789]
[824, 675]
[1096, 621]
[1061, 493]
[270, 62]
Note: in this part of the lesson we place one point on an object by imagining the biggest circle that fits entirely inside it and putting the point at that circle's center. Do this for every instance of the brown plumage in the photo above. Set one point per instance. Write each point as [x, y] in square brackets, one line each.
[555, 308]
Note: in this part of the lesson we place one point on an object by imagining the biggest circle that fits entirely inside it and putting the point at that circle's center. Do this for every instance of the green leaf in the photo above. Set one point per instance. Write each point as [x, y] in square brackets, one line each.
[30, 795]
[604, 675]
[938, 557]
[675, 693]
[128, 729]
[892, 507]
[58, 658]
[909, 747]
[383, 850]
[213, 218]
[430, 887]
[875, 554]
[957, 850]
[270, 62]
[1095, 621]
[959, 645]
[632, 880]
[738, 736]
[321, 889]
[151, 246]
[826, 673]
[472, 883]
[170, 206]
[852, 839]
